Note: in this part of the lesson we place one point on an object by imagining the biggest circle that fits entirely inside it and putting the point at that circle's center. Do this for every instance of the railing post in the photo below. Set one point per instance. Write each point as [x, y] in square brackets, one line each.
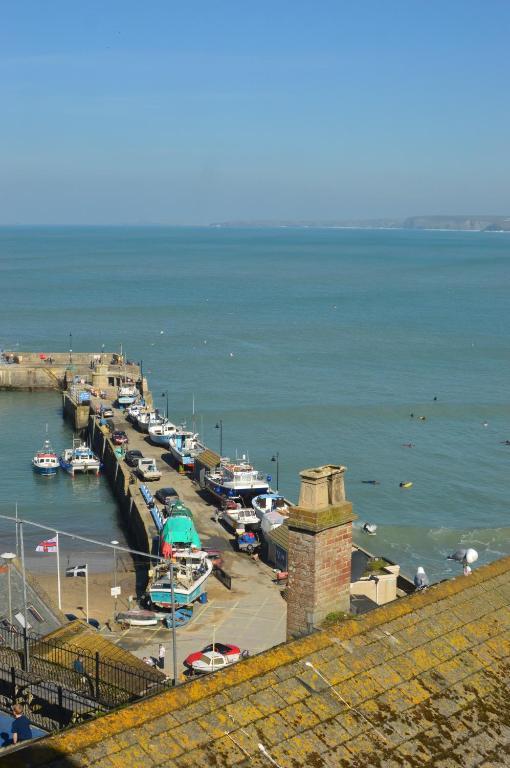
[13, 683]
[25, 650]
[97, 675]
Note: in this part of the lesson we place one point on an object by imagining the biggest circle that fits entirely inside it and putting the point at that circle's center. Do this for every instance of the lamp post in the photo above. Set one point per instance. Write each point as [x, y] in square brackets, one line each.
[165, 395]
[115, 543]
[276, 458]
[102, 352]
[219, 426]
[70, 348]
[8, 557]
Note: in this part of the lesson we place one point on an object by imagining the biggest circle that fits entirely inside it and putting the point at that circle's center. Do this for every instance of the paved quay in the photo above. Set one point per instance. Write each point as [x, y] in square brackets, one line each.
[252, 615]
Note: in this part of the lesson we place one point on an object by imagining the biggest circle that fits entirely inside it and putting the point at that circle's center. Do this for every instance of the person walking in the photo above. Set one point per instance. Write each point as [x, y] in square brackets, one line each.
[80, 669]
[161, 656]
[20, 727]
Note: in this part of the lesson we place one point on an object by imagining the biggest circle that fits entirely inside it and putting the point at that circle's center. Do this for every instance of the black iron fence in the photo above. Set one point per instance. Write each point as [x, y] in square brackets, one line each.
[80, 675]
[48, 705]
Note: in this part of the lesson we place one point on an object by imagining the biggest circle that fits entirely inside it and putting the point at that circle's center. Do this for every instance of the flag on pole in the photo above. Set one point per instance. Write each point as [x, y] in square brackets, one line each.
[50, 545]
[77, 570]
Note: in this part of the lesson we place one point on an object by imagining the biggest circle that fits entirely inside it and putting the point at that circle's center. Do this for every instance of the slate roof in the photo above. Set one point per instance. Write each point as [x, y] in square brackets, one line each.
[47, 616]
[78, 635]
[422, 681]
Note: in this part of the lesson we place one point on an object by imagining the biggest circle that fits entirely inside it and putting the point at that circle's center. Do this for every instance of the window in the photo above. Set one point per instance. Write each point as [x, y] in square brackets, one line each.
[35, 613]
[21, 620]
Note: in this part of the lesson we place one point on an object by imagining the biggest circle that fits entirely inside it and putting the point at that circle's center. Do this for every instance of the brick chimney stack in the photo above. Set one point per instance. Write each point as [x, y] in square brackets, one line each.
[320, 546]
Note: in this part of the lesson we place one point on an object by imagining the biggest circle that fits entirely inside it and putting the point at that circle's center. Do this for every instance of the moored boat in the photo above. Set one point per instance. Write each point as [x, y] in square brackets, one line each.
[79, 458]
[45, 461]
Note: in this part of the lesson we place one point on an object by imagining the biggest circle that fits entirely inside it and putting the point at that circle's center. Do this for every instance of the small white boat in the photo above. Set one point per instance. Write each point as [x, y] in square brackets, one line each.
[161, 434]
[241, 519]
[45, 461]
[147, 419]
[270, 502]
[80, 458]
[137, 618]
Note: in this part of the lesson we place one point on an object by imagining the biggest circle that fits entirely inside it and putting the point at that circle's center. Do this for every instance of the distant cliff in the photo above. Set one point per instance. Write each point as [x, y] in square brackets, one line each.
[468, 223]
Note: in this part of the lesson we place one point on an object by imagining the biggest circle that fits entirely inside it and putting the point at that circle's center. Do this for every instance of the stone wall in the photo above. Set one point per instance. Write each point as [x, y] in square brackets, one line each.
[138, 524]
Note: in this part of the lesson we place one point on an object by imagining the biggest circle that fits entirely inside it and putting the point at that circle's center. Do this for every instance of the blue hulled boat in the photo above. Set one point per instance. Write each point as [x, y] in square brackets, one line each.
[45, 461]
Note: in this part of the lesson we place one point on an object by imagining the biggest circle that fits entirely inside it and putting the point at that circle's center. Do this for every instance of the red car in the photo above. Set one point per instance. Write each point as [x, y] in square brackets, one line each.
[231, 653]
[119, 437]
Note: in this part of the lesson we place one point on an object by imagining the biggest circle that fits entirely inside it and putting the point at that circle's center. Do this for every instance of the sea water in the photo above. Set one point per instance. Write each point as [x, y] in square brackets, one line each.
[316, 344]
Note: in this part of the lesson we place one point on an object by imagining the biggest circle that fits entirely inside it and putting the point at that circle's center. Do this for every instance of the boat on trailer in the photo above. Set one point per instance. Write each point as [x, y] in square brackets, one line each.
[190, 568]
[127, 394]
[184, 447]
[236, 478]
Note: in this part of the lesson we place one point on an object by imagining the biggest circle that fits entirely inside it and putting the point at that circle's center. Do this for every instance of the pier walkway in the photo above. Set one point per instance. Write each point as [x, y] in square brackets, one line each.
[252, 615]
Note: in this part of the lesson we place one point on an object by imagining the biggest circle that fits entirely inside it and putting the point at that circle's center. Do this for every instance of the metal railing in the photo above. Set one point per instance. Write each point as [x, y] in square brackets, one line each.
[95, 678]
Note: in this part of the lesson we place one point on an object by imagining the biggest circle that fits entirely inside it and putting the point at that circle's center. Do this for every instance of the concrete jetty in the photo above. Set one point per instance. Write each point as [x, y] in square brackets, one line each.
[33, 371]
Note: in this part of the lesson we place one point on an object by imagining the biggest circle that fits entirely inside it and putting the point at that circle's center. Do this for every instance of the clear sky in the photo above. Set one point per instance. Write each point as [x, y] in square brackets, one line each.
[115, 111]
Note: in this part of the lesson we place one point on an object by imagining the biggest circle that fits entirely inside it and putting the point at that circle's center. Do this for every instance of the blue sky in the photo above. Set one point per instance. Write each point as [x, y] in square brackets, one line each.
[192, 112]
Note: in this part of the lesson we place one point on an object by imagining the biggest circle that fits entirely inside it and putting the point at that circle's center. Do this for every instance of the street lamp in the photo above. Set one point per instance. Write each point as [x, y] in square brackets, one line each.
[115, 544]
[9, 557]
[276, 458]
[102, 352]
[70, 349]
[219, 426]
[165, 395]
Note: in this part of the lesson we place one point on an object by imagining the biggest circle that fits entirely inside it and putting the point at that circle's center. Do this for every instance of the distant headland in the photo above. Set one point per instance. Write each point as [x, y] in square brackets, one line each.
[464, 223]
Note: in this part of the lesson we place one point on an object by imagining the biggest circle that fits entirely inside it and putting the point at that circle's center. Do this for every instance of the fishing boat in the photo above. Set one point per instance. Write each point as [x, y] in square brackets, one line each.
[184, 447]
[236, 478]
[187, 562]
[161, 434]
[126, 395]
[191, 569]
[80, 458]
[45, 461]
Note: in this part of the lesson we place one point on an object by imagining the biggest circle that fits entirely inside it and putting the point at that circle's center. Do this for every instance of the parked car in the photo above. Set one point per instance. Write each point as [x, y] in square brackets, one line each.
[107, 413]
[230, 652]
[166, 495]
[132, 457]
[119, 437]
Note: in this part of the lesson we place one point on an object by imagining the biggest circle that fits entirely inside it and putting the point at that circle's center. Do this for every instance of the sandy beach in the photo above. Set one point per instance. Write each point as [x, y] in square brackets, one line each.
[101, 603]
